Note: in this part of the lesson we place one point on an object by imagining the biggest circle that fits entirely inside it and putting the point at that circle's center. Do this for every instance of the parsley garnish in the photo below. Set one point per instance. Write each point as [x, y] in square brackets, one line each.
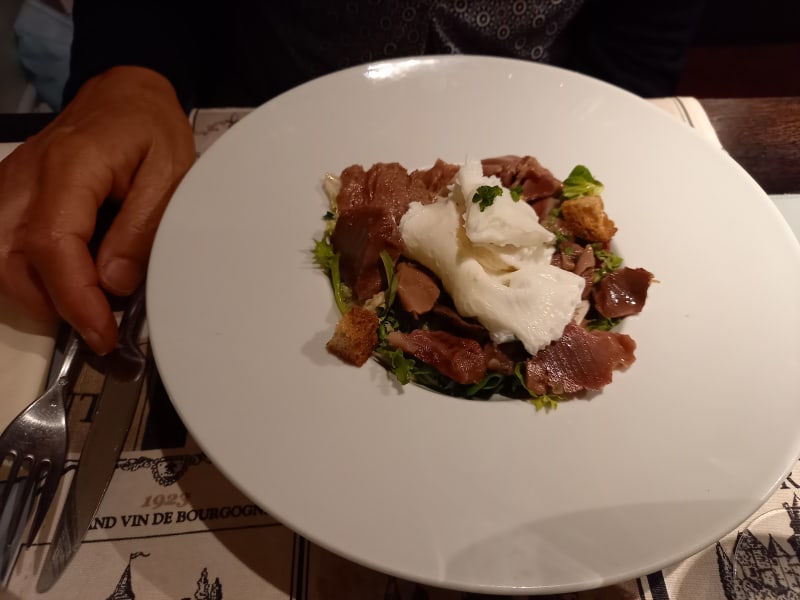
[484, 196]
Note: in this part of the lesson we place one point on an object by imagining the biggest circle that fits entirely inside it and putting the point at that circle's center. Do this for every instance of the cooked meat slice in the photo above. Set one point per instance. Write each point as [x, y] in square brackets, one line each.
[587, 219]
[355, 336]
[416, 289]
[584, 267]
[576, 259]
[579, 360]
[503, 358]
[536, 181]
[622, 293]
[361, 234]
[444, 317]
[371, 204]
[458, 358]
[585, 260]
[431, 183]
[387, 185]
[353, 191]
[544, 206]
[566, 255]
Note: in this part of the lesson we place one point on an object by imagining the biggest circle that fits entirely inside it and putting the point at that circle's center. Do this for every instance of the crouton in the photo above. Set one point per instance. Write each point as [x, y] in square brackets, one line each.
[355, 337]
[587, 219]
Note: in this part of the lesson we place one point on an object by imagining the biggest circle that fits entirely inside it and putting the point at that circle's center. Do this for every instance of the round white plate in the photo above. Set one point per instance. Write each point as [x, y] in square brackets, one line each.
[490, 496]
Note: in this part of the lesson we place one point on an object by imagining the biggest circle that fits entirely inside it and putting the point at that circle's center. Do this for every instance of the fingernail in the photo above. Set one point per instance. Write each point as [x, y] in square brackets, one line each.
[121, 275]
[95, 342]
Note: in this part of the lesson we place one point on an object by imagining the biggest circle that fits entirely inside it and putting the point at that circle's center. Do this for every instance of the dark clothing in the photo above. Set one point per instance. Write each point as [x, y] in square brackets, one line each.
[243, 52]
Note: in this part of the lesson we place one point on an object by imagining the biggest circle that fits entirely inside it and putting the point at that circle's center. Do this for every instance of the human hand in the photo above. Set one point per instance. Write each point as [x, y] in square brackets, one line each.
[124, 137]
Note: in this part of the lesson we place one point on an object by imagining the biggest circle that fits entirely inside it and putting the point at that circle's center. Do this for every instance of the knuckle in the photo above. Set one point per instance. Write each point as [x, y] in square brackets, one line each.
[69, 152]
[142, 225]
[39, 243]
[62, 145]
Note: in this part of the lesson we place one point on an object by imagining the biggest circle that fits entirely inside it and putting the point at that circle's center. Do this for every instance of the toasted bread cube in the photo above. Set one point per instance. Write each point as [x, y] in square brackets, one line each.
[355, 337]
[587, 219]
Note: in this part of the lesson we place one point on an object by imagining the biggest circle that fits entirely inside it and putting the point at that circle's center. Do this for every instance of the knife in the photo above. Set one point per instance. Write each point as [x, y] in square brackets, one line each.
[110, 425]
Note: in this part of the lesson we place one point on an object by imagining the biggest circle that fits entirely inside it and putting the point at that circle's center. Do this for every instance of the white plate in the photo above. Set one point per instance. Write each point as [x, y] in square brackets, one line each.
[675, 453]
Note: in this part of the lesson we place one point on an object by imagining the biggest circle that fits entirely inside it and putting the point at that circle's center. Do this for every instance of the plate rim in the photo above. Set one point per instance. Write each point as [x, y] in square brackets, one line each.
[482, 588]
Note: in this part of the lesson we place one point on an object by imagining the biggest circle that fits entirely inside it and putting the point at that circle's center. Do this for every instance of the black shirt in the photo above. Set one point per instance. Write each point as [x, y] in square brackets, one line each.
[243, 52]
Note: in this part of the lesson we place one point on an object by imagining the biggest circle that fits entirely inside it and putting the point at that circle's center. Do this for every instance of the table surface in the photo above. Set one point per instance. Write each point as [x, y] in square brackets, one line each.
[761, 134]
[162, 469]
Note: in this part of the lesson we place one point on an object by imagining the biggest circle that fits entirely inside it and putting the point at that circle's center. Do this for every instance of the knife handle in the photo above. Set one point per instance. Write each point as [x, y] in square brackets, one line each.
[132, 320]
[127, 362]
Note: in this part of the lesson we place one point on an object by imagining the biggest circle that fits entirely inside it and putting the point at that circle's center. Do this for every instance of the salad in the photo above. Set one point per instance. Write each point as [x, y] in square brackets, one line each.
[492, 277]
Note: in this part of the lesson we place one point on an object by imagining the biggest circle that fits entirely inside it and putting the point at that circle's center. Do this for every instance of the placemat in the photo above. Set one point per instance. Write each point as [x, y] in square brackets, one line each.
[172, 526]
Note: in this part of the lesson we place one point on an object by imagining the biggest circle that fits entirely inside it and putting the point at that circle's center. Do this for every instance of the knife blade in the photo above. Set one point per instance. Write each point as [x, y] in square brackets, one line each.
[110, 425]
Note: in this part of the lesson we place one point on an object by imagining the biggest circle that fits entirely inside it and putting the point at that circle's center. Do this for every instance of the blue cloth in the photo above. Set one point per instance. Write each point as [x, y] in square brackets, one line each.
[44, 36]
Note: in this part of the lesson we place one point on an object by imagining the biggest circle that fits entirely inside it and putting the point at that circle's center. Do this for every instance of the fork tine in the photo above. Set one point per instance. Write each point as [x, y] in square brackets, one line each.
[10, 515]
[47, 492]
[21, 506]
[37, 442]
[10, 480]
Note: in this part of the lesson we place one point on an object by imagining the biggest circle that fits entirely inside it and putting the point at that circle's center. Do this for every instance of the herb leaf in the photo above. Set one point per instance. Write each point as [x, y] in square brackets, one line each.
[328, 260]
[490, 382]
[603, 323]
[608, 262]
[397, 362]
[580, 182]
[484, 196]
[388, 323]
[547, 402]
[324, 255]
[391, 278]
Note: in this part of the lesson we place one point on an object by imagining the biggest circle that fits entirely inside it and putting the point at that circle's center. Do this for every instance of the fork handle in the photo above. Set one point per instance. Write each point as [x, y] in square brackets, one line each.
[71, 365]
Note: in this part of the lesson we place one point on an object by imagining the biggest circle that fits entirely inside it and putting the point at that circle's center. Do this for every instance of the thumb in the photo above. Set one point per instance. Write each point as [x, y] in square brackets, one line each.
[125, 249]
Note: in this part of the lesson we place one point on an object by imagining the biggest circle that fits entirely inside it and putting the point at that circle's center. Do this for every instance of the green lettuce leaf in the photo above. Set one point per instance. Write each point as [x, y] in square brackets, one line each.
[580, 182]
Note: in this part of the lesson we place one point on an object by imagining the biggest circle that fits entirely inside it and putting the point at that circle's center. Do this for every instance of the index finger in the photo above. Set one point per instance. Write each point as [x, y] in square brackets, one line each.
[61, 221]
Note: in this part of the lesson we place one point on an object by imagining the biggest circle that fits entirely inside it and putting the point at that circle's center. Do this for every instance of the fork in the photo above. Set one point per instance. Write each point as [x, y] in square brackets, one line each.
[36, 443]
